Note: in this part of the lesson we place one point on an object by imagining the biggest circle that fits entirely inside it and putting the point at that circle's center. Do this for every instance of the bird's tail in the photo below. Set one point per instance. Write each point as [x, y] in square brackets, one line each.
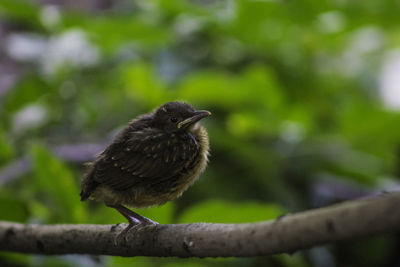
[84, 195]
[88, 184]
[88, 189]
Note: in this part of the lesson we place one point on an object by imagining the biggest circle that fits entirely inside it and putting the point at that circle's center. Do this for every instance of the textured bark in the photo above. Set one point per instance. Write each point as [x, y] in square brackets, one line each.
[348, 220]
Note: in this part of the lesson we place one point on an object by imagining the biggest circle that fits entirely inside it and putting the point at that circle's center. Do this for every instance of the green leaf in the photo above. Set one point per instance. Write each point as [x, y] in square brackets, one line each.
[113, 32]
[291, 260]
[20, 9]
[142, 85]
[56, 186]
[28, 90]
[161, 214]
[15, 259]
[6, 149]
[131, 262]
[219, 211]
[12, 208]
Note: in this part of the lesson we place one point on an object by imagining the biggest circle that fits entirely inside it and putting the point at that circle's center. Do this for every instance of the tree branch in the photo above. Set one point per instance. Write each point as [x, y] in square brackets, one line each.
[348, 220]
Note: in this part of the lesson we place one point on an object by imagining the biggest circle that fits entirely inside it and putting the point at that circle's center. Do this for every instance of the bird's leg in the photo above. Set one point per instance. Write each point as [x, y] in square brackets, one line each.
[133, 215]
[133, 218]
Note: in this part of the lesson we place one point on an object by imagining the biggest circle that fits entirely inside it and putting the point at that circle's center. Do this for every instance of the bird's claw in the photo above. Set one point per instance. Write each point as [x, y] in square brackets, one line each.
[122, 235]
[131, 228]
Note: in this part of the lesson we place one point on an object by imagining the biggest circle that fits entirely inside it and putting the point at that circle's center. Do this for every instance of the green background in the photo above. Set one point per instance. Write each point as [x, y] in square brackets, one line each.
[294, 87]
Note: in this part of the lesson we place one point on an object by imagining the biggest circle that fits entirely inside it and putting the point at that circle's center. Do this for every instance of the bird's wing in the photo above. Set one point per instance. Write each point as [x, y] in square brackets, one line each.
[145, 158]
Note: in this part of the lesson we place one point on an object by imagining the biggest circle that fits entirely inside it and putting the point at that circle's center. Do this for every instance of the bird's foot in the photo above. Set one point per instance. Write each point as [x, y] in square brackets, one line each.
[132, 228]
[135, 220]
[121, 237]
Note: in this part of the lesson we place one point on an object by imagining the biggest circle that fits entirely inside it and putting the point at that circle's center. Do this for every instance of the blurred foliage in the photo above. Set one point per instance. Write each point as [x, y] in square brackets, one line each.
[222, 212]
[295, 88]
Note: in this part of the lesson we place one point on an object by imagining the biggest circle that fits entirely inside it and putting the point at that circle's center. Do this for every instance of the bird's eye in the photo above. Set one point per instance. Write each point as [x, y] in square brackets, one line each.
[174, 119]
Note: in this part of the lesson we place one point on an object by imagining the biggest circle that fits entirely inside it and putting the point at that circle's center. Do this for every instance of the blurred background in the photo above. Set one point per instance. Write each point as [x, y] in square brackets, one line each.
[305, 97]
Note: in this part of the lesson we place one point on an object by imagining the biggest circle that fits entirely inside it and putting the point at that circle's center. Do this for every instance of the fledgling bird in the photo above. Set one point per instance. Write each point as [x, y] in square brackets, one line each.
[152, 161]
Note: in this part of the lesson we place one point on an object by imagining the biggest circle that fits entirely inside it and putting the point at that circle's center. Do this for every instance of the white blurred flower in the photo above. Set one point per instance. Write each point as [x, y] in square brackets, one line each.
[185, 25]
[30, 117]
[389, 82]
[363, 42]
[72, 48]
[25, 46]
[291, 132]
[331, 22]
[50, 16]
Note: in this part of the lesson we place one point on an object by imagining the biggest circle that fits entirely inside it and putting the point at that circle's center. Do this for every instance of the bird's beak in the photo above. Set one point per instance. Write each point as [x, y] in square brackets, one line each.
[196, 116]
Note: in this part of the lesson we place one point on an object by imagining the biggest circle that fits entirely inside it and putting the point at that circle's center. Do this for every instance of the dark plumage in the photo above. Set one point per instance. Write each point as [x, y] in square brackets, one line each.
[152, 161]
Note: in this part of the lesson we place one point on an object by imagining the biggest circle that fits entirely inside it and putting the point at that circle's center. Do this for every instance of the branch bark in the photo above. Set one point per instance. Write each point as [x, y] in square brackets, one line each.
[348, 220]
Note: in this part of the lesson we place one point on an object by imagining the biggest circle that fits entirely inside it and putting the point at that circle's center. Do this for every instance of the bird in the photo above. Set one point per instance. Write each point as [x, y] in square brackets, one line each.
[151, 161]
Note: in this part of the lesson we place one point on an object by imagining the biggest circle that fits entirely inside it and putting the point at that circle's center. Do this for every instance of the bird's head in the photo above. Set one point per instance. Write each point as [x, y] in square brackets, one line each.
[177, 116]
